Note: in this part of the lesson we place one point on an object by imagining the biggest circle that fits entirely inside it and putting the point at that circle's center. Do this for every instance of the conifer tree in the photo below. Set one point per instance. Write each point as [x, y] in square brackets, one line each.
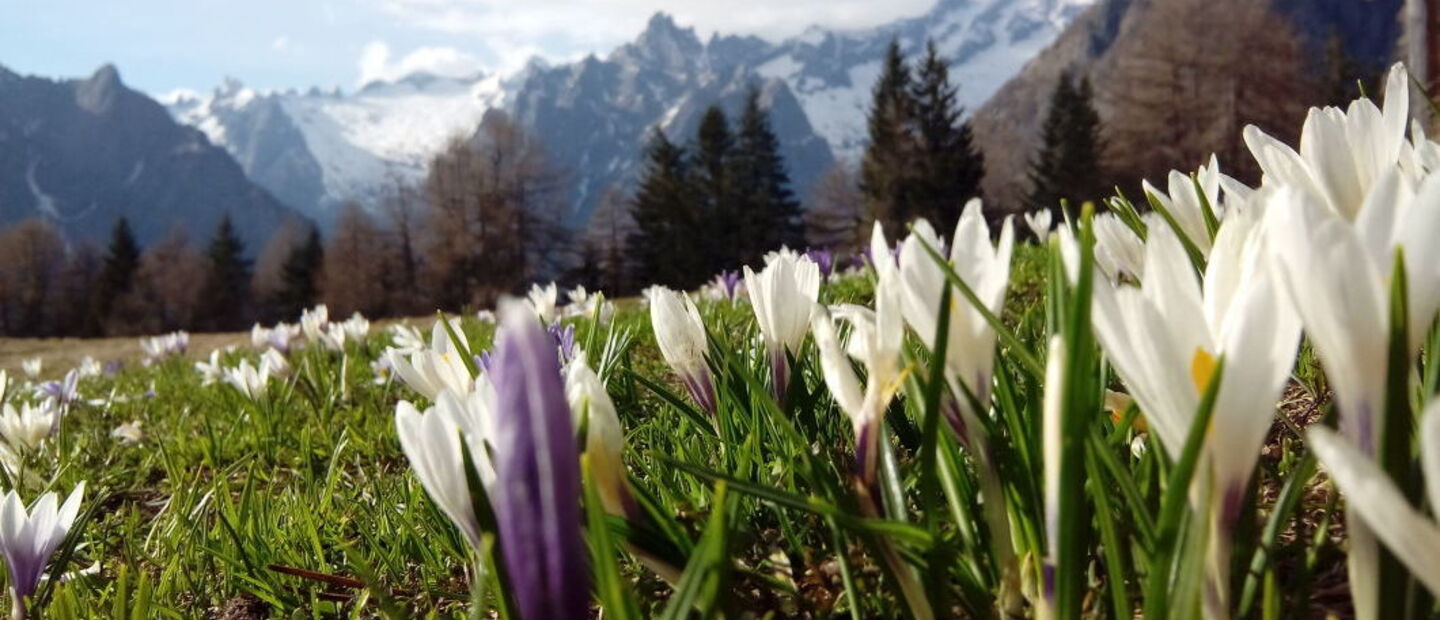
[948, 167]
[711, 171]
[886, 170]
[298, 275]
[117, 276]
[667, 220]
[1068, 164]
[768, 214]
[225, 295]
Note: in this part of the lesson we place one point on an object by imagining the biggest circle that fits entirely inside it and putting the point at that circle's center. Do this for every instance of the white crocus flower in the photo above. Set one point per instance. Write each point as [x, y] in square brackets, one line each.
[259, 335]
[1185, 204]
[543, 300]
[33, 366]
[314, 321]
[604, 437]
[28, 538]
[1165, 340]
[210, 371]
[274, 364]
[436, 368]
[783, 296]
[876, 338]
[1342, 153]
[1338, 276]
[1411, 535]
[578, 296]
[357, 327]
[128, 432]
[1119, 252]
[406, 339]
[680, 335]
[432, 441]
[251, 381]
[89, 367]
[969, 350]
[25, 428]
[985, 268]
[1039, 223]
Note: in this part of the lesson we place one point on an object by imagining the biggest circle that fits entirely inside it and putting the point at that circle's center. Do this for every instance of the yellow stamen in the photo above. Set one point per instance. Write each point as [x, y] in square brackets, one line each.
[1202, 369]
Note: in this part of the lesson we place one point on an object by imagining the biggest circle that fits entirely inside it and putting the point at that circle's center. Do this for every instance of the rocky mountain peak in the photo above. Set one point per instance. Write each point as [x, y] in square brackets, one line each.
[664, 44]
[98, 93]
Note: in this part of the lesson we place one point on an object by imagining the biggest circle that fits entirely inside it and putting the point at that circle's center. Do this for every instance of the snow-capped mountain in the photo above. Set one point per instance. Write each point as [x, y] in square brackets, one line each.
[315, 150]
[987, 42]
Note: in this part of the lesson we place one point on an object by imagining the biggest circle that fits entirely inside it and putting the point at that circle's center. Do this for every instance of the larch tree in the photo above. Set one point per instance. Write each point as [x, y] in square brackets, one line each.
[1190, 81]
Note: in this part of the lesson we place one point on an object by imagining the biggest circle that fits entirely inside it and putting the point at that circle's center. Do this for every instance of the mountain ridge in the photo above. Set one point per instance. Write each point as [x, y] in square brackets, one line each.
[81, 153]
[818, 83]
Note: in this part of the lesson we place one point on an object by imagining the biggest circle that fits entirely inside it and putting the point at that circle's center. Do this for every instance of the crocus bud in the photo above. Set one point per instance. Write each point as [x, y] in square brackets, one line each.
[680, 334]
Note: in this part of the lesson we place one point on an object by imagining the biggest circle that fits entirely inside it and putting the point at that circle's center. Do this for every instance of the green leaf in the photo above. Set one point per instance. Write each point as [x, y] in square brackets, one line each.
[610, 586]
[703, 583]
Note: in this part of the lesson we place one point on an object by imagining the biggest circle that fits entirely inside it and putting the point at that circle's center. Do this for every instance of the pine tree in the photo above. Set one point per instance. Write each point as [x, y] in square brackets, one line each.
[948, 166]
[668, 226]
[298, 289]
[117, 276]
[886, 172]
[225, 295]
[711, 168]
[1068, 165]
[768, 214]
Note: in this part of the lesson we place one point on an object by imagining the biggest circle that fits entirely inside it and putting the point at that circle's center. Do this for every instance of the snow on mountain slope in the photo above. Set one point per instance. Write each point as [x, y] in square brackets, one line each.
[357, 142]
[317, 149]
[987, 41]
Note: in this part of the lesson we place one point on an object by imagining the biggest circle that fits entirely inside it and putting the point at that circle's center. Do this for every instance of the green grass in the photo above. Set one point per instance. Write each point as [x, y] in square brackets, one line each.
[225, 504]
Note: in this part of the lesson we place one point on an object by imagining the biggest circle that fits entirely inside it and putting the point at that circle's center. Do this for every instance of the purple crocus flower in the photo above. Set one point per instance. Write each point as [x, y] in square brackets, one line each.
[64, 391]
[564, 338]
[824, 259]
[731, 280]
[113, 367]
[484, 361]
[536, 495]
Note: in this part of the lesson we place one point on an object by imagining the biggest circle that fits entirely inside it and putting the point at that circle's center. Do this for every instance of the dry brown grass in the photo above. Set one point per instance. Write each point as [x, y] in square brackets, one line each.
[62, 354]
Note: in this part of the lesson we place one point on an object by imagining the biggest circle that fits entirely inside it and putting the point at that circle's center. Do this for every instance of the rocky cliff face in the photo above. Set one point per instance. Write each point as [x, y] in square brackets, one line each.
[82, 153]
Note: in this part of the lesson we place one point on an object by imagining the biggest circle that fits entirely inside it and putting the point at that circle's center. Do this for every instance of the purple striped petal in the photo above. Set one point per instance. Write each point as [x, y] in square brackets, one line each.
[537, 491]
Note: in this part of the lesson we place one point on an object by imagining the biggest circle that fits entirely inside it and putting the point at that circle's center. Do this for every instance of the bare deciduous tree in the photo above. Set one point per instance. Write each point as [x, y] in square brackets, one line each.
[836, 218]
[494, 214]
[168, 284]
[1193, 78]
[32, 256]
[354, 275]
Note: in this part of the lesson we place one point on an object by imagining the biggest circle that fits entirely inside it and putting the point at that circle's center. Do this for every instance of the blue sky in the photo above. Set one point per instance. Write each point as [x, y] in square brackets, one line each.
[162, 45]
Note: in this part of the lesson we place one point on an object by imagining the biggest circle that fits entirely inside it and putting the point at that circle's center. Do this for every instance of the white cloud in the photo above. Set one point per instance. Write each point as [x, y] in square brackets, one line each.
[376, 62]
[280, 44]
